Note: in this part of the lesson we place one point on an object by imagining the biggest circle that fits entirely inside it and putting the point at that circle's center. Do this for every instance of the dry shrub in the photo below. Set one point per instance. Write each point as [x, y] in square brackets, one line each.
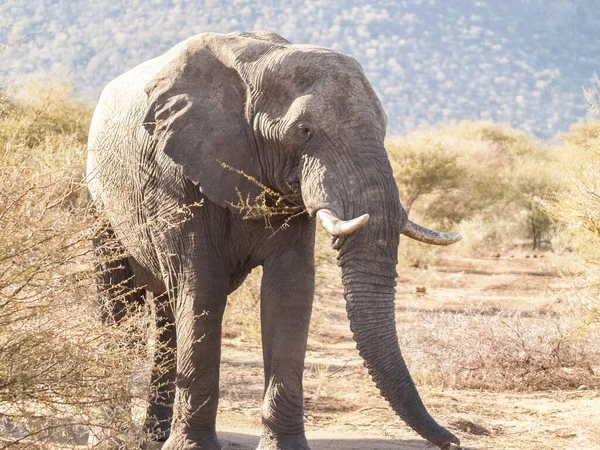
[423, 166]
[477, 178]
[510, 195]
[62, 371]
[497, 350]
[577, 206]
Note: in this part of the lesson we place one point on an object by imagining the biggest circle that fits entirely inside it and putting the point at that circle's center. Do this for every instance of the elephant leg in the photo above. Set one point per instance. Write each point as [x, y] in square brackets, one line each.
[118, 295]
[286, 303]
[198, 315]
[162, 382]
[117, 292]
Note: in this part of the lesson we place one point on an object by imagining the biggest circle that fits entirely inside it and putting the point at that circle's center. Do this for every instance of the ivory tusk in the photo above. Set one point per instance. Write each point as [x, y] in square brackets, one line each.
[422, 234]
[337, 226]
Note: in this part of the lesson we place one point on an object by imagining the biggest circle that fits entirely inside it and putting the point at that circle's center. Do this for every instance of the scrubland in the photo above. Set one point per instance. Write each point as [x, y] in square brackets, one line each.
[500, 331]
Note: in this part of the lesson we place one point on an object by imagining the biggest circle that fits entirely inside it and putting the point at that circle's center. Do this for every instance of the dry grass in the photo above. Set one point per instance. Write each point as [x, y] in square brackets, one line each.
[62, 371]
[476, 349]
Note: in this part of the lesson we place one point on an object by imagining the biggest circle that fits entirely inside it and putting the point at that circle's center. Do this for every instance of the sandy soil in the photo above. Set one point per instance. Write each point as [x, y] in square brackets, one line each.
[344, 410]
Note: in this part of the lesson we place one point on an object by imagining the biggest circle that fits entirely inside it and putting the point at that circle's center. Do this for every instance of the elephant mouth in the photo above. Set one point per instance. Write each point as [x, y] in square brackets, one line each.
[272, 205]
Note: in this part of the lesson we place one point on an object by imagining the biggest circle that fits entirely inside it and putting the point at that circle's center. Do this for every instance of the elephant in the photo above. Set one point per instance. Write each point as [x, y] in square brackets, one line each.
[220, 156]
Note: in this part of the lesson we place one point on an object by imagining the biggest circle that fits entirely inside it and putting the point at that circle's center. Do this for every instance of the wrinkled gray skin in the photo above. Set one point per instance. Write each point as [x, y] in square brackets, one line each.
[302, 120]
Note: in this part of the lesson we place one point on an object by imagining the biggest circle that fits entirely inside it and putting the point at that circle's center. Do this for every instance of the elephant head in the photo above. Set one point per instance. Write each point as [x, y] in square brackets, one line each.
[302, 121]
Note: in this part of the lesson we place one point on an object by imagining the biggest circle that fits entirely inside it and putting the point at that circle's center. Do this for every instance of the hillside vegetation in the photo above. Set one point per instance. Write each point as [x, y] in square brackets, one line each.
[431, 61]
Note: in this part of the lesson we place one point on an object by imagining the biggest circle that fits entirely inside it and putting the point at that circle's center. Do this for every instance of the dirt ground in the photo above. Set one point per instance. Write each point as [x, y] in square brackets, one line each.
[344, 410]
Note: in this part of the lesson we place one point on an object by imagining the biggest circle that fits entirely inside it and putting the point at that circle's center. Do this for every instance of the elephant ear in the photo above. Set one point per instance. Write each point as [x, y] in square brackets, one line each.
[197, 115]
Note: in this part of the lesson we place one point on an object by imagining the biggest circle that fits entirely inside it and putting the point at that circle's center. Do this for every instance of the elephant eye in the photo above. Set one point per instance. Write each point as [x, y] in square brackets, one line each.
[304, 130]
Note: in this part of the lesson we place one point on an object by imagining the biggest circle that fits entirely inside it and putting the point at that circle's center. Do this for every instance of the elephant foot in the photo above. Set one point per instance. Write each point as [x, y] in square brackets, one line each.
[196, 440]
[270, 442]
[451, 446]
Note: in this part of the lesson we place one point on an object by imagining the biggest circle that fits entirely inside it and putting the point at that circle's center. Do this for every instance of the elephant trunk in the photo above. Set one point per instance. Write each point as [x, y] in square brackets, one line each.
[368, 259]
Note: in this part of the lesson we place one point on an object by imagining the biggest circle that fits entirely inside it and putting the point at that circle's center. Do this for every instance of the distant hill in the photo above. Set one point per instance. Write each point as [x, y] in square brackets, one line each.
[522, 62]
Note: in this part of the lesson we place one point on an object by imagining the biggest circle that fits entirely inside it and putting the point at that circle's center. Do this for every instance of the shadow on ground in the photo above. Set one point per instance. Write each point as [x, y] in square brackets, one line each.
[78, 437]
[239, 441]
